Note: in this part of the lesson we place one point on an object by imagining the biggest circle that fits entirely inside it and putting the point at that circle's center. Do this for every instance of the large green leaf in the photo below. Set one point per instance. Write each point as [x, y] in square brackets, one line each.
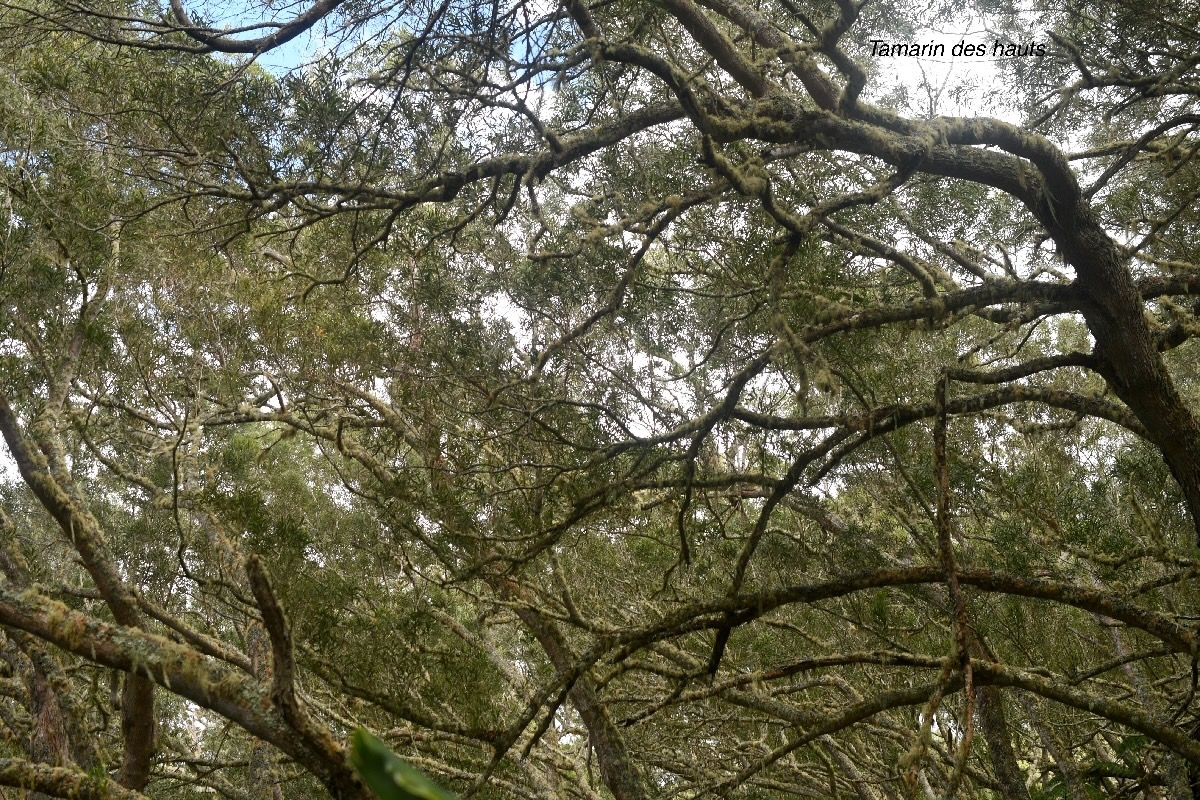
[388, 775]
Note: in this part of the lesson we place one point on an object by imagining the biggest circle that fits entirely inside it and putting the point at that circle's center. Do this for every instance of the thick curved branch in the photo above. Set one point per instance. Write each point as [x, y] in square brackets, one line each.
[1025, 369]
[717, 45]
[62, 782]
[203, 680]
[889, 418]
[85, 534]
[224, 41]
[618, 768]
[78, 524]
[746, 608]
[283, 675]
[445, 187]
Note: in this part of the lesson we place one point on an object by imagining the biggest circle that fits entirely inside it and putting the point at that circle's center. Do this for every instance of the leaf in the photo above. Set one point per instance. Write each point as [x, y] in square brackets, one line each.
[1055, 790]
[1130, 748]
[389, 776]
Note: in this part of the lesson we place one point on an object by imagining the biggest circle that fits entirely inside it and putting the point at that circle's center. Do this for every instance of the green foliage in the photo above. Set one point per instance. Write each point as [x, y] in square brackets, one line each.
[525, 402]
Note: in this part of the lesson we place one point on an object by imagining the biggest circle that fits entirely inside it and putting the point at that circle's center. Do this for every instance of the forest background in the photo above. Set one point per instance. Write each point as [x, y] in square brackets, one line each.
[599, 399]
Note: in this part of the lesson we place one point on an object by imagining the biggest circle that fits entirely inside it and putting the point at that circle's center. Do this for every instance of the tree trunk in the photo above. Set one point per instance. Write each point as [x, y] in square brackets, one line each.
[137, 725]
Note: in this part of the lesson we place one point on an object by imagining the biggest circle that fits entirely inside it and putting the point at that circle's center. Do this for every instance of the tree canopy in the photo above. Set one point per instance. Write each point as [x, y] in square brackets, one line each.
[599, 398]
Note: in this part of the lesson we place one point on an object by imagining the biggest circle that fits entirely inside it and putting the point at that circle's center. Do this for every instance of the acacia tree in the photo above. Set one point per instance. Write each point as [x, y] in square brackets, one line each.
[596, 399]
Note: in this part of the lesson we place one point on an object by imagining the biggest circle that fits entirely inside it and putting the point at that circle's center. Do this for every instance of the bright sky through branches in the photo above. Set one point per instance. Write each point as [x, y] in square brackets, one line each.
[234, 14]
[947, 84]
